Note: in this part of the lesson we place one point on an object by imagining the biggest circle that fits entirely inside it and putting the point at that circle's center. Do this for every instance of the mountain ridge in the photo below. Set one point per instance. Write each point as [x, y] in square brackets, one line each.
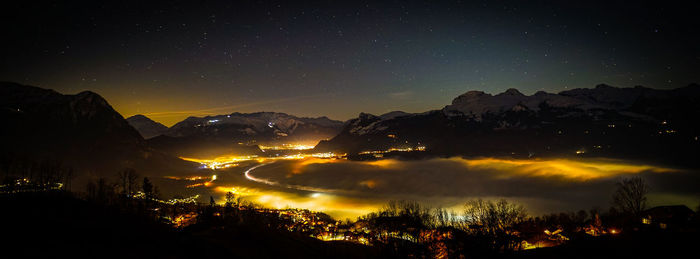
[147, 127]
[579, 121]
[82, 131]
[237, 132]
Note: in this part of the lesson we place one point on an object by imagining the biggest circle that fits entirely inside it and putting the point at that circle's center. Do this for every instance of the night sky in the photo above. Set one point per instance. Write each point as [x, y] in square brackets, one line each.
[169, 60]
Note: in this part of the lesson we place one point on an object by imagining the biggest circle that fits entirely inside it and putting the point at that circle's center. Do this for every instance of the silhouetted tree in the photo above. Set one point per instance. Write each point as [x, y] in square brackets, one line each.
[147, 188]
[445, 218]
[630, 195]
[495, 221]
[68, 179]
[91, 189]
[441, 216]
[231, 200]
[156, 192]
[127, 178]
[102, 190]
[581, 217]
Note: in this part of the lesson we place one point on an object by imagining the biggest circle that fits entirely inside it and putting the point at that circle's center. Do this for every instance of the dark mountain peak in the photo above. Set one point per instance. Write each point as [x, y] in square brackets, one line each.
[473, 93]
[322, 121]
[138, 117]
[15, 95]
[51, 105]
[24, 88]
[363, 124]
[366, 116]
[191, 118]
[88, 95]
[147, 127]
[477, 103]
[469, 96]
[88, 102]
[603, 86]
[513, 92]
[68, 127]
[393, 114]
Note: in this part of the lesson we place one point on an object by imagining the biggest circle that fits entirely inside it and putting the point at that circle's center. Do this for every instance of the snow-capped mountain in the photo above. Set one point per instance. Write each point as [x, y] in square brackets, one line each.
[604, 119]
[240, 132]
[475, 104]
[273, 124]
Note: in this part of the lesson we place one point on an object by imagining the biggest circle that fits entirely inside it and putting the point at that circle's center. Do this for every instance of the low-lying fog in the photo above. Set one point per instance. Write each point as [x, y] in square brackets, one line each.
[347, 189]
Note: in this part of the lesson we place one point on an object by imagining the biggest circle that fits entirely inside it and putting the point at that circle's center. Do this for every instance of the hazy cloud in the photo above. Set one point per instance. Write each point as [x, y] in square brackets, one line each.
[404, 95]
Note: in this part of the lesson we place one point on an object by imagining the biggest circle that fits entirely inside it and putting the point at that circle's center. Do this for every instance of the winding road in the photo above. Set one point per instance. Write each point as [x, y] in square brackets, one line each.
[264, 181]
[250, 177]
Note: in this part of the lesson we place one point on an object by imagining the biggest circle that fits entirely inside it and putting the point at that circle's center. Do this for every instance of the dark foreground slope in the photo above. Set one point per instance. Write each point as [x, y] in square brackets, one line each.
[641, 245]
[42, 225]
[57, 224]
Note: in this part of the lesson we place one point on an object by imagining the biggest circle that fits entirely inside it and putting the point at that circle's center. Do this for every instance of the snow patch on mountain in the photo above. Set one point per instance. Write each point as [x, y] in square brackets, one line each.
[281, 124]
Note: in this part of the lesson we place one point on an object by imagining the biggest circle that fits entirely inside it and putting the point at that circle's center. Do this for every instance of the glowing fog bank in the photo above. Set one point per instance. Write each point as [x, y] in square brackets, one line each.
[345, 188]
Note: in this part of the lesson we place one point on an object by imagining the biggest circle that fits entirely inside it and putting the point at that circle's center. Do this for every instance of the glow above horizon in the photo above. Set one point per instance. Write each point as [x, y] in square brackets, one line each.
[338, 59]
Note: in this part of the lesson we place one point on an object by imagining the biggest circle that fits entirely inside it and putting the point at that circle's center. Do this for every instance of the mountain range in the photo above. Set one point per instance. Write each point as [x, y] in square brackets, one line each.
[85, 131]
[234, 133]
[636, 122]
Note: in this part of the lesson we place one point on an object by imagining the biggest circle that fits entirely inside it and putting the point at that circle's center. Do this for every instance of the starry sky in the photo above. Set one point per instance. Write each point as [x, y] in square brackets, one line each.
[173, 59]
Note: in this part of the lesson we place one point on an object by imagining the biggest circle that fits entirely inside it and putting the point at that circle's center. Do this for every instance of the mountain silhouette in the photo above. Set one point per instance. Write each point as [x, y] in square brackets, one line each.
[82, 131]
[606, 121]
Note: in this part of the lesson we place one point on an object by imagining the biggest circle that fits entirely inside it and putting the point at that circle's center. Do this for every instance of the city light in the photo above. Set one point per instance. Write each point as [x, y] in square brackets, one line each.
[286, 147]
[232, 161]
[408, 149]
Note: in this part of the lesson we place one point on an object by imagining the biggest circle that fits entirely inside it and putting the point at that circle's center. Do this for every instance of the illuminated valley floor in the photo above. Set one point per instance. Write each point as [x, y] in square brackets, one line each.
[347, 189]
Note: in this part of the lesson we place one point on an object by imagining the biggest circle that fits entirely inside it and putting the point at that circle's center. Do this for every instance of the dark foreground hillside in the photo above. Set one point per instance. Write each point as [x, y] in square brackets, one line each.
[56, 224]
[41, 225]
[641, 245]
